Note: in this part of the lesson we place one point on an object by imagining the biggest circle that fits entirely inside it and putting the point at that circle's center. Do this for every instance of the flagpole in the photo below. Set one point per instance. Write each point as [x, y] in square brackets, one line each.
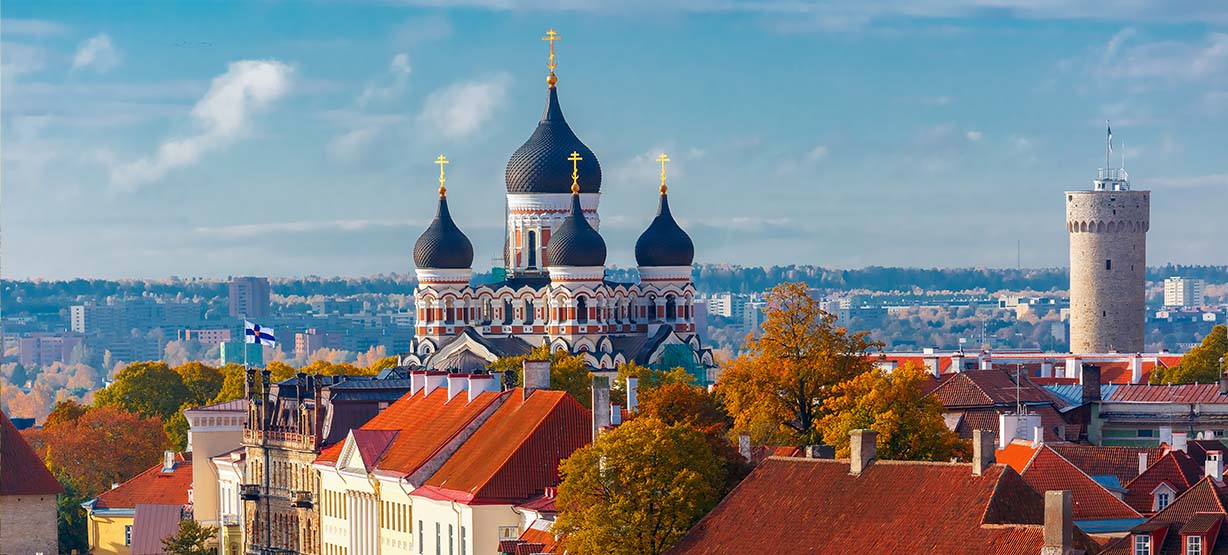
[1108, 143]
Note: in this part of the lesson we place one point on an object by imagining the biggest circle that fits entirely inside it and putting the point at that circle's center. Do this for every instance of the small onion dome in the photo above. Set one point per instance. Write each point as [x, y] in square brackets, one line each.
[443, 246]
[540, 164]
[664, 243]
[575, 242]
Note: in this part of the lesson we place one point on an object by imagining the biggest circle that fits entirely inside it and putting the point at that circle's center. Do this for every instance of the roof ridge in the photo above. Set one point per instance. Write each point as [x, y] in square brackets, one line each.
[1090, 479]
[531, 430]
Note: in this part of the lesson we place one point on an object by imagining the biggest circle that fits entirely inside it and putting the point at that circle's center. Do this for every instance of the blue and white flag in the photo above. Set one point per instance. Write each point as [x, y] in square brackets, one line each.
[253, 333]
[1110, 128]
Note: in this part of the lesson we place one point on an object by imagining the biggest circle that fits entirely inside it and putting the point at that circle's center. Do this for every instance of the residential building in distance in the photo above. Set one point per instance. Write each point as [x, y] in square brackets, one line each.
[43, 349]
[249, 297]
[28, 494]
[206, 336]
[312, 340]
[134, 517]
[1184, 292]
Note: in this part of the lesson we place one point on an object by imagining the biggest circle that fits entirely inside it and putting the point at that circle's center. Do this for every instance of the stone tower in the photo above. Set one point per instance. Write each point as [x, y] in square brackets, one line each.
[1108, 264]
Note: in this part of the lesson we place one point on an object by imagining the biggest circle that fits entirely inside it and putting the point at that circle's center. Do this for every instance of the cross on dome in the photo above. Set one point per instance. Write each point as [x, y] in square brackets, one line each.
[442, 161]
[663, 159]
[575, 172]
[550, 37]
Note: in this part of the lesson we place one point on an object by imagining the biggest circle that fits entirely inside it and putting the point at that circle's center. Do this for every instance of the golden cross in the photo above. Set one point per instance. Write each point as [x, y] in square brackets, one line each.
[663, 159]
[550, 37]
[575, 171]
[442, 161]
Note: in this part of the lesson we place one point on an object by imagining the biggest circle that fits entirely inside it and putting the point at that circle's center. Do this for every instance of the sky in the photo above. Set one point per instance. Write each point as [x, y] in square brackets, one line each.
[155, 139]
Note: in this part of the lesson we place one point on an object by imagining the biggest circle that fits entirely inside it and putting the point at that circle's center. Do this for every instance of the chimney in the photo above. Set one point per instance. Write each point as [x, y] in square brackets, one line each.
[481, 383]
[957, 362]
[601, 404]
[633, 390]
[1046, 369]
[1072, 367]
[536, 376]
[1136, 371]
[432, 380]
[1059, 524]
[456, 384]
[1166, 435]
[1180, 441]
[1215, 465]
[982, 451]
[863, 449]
[1223, 384]
[1038, 436]
[1142, 462]
[986, 362]
[417, 379]
[168, 461]
[616, 415]
[1091, 383]
[743, 445]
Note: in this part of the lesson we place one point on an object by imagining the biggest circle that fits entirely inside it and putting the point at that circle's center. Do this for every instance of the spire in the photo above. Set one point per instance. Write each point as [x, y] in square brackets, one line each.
[664, 243]
[550, 37]
[575, 242]
[443, 245]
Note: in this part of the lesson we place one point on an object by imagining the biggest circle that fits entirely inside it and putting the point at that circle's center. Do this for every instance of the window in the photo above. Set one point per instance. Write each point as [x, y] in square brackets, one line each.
[1161, 501]
[582, 310]
[1142, 545]
[438, 541]
[1193, 545]
[509, 532]
[1108, 264]
[128, 535]
[464, 550]
[421, 537]
[532, 249]
[451, 540]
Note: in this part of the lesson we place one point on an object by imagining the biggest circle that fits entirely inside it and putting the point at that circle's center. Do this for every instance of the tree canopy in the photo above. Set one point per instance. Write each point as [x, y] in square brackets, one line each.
[1202, 364]
[567, 372]
[190, 539]
[102, 446]
[145, 388]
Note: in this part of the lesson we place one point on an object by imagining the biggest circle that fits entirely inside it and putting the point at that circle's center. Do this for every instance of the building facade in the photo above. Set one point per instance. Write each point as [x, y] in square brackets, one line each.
[249, 297]
[213, 430]
[28, 494]
[1184, 292]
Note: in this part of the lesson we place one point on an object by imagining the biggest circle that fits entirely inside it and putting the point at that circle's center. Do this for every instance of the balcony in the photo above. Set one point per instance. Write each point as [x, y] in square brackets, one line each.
[286, 440]
[230, 520]
[301, 500]
[249, 492]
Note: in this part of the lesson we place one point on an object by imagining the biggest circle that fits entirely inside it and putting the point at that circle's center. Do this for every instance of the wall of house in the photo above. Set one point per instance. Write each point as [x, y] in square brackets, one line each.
[27, 524]
[106, 534]
[209, 439]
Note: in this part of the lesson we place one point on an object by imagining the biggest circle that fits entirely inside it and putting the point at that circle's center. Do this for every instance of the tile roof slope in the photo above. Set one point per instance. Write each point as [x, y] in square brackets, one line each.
[1017, 455]
[1204, 497]
[1185, 393]
[892, 507]
[23, 472]
[1121, 462]
[424, 423]
[987, 419]
[533, 534]
[238, 405]
[515, 454]
[152, 487]
[1175, 467]
[1048, 470]
[371, 444]
[978, 388]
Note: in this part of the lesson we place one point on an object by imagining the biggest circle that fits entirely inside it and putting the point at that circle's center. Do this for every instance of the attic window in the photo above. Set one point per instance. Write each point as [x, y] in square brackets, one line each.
[1142, 544]
[1161, 500]
[1193, 545]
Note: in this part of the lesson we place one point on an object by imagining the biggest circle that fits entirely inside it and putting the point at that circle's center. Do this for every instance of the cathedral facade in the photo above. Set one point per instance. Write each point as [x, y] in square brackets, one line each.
[555, 290]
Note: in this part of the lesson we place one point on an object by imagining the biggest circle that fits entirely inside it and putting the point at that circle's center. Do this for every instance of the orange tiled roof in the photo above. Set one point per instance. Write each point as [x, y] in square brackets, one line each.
[22, 473]
[152, 487]
[987, 419]
[1175, 467]
[1189, 509]
[539, 536]
[1017, 455]
[1050, 471]
[985, 388]
[1121, 462]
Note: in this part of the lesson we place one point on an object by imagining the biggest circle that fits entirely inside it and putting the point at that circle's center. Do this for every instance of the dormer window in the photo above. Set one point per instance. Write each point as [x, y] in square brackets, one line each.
[1161, 501]
[1142, 544]
[1161, 496]
[1193, 545]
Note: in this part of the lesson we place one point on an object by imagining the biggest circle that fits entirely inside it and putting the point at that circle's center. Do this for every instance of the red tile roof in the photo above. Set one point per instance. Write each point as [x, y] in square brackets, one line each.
[152, 487]
[987, 388]
[1050, 471]
[1121, 462]
[371, 444]
[22, 473]
[1189, 509]
[1175, 467]
[987, 419]
[1017, 455]
[892, 507]
[515, 453]
[1185, 393]
[540, 537]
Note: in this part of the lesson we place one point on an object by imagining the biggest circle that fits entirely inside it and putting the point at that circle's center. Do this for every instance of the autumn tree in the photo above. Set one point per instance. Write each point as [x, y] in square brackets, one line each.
[145, 388]
[233, 383]
[776, 391]
[64, 411]
[201, 382]
[637, 490]
[682, 403]
[909, 421]
[104, 445]
[1202, 364]
[190, 539]
[567, 372]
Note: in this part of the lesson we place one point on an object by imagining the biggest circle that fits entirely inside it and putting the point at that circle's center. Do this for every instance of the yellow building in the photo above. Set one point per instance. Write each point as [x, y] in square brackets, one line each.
[133, 517]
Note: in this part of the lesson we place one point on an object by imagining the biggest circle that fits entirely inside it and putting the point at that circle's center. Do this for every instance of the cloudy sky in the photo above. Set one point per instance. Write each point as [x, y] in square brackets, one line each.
[296, 138]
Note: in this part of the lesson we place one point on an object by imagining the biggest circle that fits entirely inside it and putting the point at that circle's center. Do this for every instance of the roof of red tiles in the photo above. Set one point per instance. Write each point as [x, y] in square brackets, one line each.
[891, 507]
[987, 419]
[1175, 467]
[515, 453]
[1189, 508]
[1048, 471]
[152, 487]
[1017, 455]
[371, 444]
[22, 473]
[540, 537]
[986, 388]
[1185, 393]
[1121, 462]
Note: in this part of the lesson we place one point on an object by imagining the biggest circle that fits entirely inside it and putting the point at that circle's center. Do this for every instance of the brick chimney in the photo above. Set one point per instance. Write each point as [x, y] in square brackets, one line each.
[1142, 462]
[1091, 383]
[433, 379]
[1059, 524]
[1215, 465]
[457, 383]
[982, 451]
[601, 404]
[863, 449]
[536, 376]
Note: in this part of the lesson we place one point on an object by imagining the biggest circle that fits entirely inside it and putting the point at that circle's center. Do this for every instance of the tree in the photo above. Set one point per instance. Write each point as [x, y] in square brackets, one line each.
[637, 490]
[145, 388]
[567, 372]
[682, 403]
[201, 381]
[105, 445]
[384, 364]
[908, 420]
[1202, 364]
[65, 411]
[233, 383]
[190, 539]
[776, 391]
[71, 519]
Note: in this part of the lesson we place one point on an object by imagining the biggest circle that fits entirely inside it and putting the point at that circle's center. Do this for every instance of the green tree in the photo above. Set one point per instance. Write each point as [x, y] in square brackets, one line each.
[145, 388]
[637, 490]
[201, 381]
[1202, 364]
[177, 428]
[909, 421]
[233, 378]
[190, 539]
[67, 410]
[567, 372]
[70, 518]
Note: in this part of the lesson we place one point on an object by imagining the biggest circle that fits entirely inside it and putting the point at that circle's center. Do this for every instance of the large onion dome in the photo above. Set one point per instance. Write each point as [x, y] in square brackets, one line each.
[664, 243]
[575, 242]
[540, 164]
[443, 246]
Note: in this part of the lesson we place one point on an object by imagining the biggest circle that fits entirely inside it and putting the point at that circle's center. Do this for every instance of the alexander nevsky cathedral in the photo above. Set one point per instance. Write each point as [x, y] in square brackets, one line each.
[554, 289]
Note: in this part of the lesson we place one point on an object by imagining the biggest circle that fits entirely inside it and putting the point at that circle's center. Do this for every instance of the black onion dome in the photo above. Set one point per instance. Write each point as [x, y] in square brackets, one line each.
[540, 165]
[575, 242]
[664, 243]
[443, 246]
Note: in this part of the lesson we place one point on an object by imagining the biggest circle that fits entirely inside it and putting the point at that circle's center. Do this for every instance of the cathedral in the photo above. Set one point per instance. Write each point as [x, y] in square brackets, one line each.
[554, 289]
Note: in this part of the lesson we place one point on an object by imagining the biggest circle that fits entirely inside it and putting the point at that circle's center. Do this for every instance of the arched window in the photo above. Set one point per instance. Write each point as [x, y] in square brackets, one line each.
[486, 310]
[507, 312]
[582, 310]
[532, 249]
[449, 311]
[671, 308]
[652, 309]
[528, 312]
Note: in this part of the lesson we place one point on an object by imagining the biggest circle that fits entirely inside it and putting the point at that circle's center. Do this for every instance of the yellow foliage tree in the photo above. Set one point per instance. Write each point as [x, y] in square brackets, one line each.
[567, 372]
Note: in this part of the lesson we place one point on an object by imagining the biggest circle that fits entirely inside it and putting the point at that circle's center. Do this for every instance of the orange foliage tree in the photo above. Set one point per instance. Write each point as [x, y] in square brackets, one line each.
[104, 445]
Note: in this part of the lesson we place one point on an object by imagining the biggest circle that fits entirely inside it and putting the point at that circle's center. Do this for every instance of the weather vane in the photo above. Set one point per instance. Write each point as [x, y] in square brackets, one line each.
[575, 171]
[442, 161]
[550, 37]
[663, 159]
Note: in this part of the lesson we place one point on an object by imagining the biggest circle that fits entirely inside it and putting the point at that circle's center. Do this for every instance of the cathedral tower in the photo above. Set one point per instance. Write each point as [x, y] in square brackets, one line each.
[1108, 263]
[443, 260]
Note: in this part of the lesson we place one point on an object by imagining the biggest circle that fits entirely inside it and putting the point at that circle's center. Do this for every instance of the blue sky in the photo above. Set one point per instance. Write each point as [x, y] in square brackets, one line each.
[296, 138]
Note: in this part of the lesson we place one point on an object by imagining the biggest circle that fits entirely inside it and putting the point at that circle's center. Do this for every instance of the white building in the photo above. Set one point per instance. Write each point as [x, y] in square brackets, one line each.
[1184, 292]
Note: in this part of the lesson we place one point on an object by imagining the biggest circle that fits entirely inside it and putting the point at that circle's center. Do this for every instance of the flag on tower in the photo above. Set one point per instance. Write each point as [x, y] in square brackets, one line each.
[253, 333]
[1110, 128]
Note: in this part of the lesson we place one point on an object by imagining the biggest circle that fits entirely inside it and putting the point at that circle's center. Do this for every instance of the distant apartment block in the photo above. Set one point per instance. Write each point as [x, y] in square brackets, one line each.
[727, 305]
[752, 316]
[1179, 291]
[313, 340]
[208, 337]
[42, 349]
[337, 306]
[249, 297]
[122, 316]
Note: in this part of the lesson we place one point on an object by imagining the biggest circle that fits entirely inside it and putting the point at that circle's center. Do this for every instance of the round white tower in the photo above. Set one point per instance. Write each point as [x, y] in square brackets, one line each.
[1108, 264]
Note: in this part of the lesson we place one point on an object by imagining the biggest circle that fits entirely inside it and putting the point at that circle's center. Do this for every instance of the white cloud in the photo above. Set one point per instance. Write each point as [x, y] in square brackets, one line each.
[459, 111]
[391, 85]
[32, 27]
[1151, 63]
[817, 153]
[974, 136]
[222, 115]
[97, 53]
[244, 231]
[352, 146]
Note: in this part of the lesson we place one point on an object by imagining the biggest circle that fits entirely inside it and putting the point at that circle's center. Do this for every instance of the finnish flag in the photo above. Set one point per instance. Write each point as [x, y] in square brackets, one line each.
[253, 333]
